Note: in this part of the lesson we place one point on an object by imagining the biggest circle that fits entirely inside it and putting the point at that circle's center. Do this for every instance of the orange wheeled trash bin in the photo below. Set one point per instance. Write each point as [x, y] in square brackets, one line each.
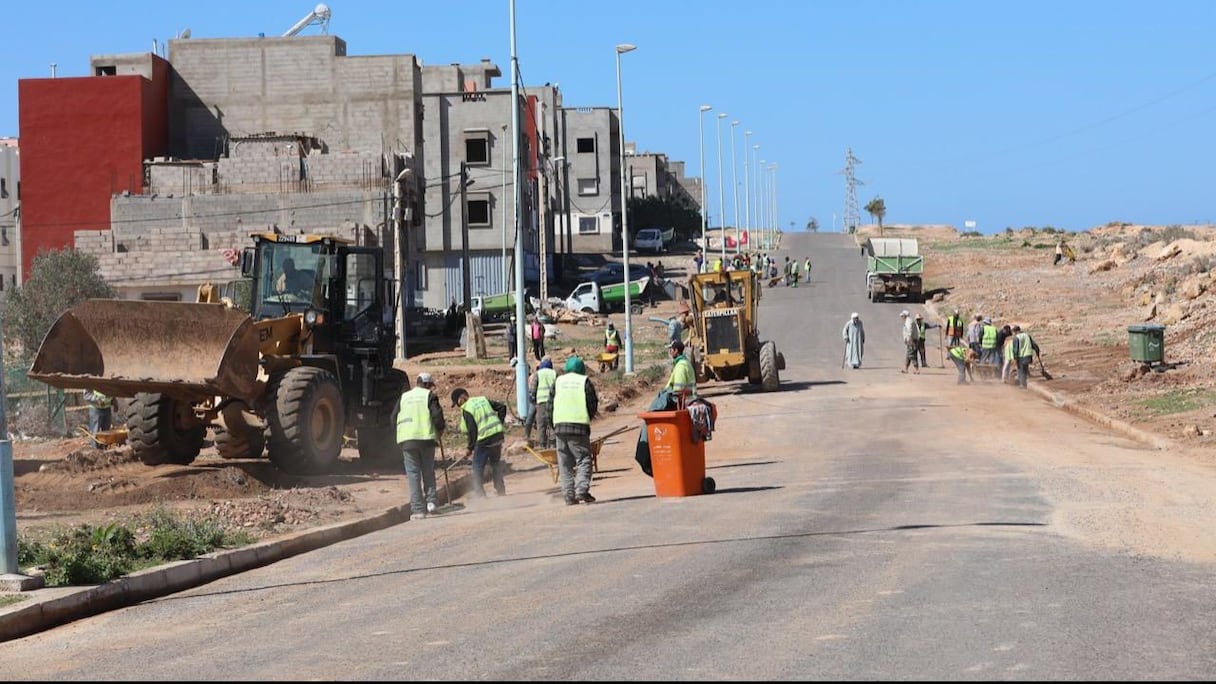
[678, 463]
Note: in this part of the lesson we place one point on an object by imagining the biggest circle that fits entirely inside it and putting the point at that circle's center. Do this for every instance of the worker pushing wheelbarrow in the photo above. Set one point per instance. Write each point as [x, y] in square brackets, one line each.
[549, 456]
[610, 358]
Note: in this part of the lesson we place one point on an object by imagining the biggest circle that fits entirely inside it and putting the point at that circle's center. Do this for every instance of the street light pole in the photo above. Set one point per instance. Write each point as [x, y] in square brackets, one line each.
[721, 192]
[521, 364]
[620, 116]
[776, 213]
[762, 204]
[704, 218]
[734, 187]
[747, 202]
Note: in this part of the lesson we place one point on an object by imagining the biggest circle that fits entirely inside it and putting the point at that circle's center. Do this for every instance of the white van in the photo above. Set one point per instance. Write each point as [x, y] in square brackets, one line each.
[649, 240]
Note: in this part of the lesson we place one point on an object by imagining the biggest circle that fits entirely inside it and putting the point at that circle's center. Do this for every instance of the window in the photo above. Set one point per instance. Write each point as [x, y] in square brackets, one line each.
[419, 275]
[586, 145]
[477, 149]
[161, 296]
[588, 186]
[360, 284]
[106, 70]
[588, 225]
[3, 188]
[478, 211]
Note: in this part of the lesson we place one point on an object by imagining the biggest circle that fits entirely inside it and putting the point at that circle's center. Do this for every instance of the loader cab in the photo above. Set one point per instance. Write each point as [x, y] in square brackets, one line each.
[289, 277]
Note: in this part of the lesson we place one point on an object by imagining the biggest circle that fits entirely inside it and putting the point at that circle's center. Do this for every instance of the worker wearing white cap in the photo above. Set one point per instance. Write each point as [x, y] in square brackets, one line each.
[420, 424]
[854, 341]
[909, 336]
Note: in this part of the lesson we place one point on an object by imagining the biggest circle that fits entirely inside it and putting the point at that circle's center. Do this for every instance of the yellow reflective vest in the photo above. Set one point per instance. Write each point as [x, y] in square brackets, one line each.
[545, 378]
[988, 341]
[484, 417]
[683, 377]
[570, 400]
[414, 416]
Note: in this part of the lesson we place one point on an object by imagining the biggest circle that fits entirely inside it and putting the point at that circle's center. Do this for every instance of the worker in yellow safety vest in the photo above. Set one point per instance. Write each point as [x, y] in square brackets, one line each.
[540, 395]
[954, 329]
[1024, 350]
[420, 424]
[574, 405]
[988, 349]
[101, 414]
[481, 420]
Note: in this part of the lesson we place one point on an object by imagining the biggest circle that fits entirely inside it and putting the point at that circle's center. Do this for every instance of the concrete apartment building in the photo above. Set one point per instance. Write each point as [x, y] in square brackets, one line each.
[227, 137]
[589, 180]
[652, 174]
[175, 161]
[468, 122]
[10, 204]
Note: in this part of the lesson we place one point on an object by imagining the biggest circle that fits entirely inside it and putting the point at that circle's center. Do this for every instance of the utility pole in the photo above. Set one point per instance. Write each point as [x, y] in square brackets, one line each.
[10, 577]
[465, 277]
[400, 256]
[543, 207]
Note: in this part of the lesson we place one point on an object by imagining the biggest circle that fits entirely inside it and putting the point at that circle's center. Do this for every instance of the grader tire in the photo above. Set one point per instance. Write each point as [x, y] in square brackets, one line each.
[307, 421]
[229, 445]
[162, 430]
[769, 378]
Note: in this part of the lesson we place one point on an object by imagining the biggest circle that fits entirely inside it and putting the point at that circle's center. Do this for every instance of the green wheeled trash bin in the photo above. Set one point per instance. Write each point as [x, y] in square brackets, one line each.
[1146, 342]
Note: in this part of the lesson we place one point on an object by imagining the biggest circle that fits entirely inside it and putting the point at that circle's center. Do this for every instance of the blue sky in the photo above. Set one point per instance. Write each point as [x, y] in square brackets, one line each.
[1069, 114]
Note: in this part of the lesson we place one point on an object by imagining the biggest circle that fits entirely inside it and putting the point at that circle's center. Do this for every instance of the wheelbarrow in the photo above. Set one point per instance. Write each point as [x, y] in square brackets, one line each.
[549, 456]
[608, 360]
[106, 438]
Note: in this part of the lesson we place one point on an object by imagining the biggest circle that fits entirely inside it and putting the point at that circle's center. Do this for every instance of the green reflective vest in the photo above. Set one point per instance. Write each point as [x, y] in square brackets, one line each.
[570, 400]
[920, 330]
[414, 416]
[484, 417]
[959, 353]
[545, 378]
[96, 399]
[683, 377]
[989, 339]
[1025, 350]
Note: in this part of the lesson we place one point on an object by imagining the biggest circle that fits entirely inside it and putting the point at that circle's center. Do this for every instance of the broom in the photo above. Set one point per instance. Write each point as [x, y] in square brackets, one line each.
[1046, 375]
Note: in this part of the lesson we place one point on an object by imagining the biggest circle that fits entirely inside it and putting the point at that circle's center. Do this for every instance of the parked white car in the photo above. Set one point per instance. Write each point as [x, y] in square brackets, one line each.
[649, 240]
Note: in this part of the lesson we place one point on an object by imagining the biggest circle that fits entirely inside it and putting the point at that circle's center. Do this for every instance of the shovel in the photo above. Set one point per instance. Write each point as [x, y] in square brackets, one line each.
[1046, 375]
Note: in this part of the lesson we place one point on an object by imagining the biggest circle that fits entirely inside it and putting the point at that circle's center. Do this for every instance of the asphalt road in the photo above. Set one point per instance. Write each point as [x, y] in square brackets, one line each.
[867, 525]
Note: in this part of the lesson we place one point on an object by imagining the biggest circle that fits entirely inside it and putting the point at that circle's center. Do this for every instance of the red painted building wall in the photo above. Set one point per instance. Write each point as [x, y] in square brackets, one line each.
[84, 140]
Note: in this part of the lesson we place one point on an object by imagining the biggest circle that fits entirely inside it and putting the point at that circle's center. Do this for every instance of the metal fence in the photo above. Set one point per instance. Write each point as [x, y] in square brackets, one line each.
[35, 409]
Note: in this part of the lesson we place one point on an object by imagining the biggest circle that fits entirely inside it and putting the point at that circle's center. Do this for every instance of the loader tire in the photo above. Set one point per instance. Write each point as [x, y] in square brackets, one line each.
[378, 443]
[769, 377]
[162, 429]
[378, 446]
[307, 421]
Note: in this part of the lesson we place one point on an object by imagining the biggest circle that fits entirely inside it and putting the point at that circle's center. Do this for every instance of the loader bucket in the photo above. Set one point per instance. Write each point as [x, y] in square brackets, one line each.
[185, 350]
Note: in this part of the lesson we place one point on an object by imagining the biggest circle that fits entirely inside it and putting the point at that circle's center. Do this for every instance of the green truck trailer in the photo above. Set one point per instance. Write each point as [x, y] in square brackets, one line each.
[894, 268]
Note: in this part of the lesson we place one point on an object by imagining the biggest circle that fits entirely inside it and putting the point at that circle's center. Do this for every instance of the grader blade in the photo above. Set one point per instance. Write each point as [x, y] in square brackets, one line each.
[186, 350]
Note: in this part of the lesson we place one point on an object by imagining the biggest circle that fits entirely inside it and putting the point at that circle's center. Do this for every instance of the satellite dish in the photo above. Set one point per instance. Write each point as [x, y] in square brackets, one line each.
[184, 34]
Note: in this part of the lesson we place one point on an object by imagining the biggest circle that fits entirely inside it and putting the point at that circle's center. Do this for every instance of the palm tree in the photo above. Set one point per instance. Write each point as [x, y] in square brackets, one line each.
[877, 209]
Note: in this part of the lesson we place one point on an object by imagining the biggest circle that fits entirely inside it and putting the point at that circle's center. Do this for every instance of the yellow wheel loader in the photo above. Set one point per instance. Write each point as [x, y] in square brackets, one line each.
[294, 361]
[725, 339]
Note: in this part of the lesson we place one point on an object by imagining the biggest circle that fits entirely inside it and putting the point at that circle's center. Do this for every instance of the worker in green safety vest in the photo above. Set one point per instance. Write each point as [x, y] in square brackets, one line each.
[958, 354]
[420, 425]
[482, 422]
[574, 405]
[990, 353]
[682, 382]
[540, 403]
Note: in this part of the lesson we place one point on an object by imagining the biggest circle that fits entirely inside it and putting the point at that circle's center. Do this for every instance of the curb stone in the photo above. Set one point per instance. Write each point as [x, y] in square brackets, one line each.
[43, 609]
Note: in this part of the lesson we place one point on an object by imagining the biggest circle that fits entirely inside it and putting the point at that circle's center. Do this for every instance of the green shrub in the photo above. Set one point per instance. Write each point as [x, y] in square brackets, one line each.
[89, 554]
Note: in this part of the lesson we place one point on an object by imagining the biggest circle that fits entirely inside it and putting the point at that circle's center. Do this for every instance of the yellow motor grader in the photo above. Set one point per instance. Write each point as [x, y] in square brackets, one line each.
[725, 340]
[297, 361]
